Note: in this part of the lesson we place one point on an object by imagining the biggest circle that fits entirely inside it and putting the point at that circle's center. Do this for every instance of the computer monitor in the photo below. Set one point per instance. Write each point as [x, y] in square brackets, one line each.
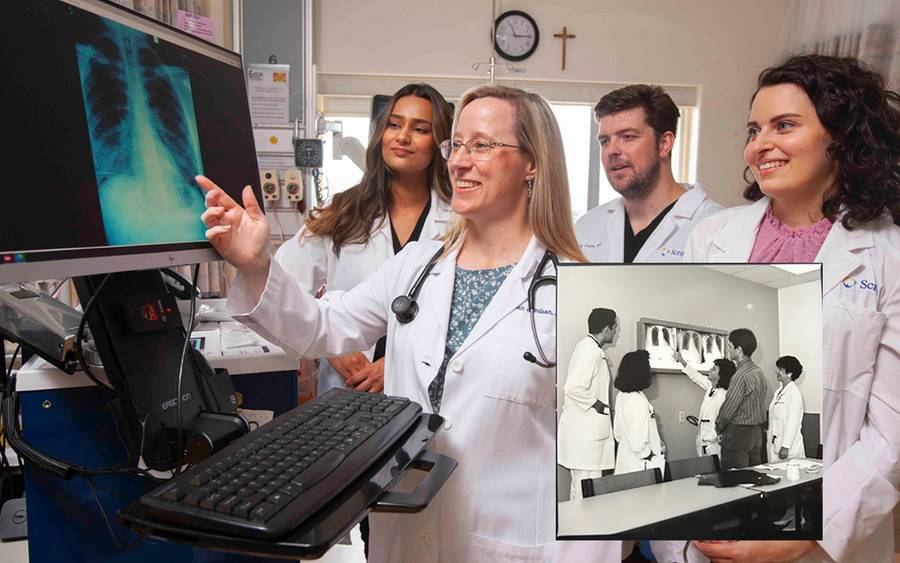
[108, 116]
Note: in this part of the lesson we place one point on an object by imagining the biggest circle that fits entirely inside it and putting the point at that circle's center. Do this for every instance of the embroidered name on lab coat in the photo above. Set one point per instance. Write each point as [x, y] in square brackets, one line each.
[537, 310]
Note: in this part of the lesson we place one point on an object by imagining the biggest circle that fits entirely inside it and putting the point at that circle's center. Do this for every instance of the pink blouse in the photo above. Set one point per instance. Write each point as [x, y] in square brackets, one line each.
[778, 243]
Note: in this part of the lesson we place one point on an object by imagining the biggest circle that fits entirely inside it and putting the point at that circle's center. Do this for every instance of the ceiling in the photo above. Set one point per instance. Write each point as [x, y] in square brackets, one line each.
[767, 274]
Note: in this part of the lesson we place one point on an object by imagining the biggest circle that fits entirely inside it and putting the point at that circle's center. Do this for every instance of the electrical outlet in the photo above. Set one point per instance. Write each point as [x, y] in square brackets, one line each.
[681, 417]
[268, 181]
[293, 185]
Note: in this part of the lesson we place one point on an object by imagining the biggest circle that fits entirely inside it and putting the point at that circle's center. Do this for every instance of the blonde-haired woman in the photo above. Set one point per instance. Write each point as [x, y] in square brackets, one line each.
[462, 353]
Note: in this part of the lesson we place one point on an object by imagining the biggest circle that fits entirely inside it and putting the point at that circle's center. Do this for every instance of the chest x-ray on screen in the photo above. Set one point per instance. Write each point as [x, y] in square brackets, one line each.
[144, 140]
[699, 348]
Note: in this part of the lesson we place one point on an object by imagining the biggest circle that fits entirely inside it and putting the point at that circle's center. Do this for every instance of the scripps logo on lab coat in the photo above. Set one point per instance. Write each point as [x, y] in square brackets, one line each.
[850, 283]
[670, 252]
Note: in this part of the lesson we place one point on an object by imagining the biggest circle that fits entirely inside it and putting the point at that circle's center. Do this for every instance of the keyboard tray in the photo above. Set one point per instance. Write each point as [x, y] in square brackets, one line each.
[370, 493]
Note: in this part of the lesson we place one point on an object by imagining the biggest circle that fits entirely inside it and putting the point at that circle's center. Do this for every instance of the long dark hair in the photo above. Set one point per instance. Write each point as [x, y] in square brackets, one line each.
[863, 118]
[352, 214]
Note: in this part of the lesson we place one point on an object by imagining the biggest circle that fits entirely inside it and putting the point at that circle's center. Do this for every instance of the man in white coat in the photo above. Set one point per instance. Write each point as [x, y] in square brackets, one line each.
[585, 443]
[652, 219]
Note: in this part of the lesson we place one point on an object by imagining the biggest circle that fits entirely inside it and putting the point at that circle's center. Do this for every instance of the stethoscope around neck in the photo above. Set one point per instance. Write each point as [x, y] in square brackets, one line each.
[405, 307]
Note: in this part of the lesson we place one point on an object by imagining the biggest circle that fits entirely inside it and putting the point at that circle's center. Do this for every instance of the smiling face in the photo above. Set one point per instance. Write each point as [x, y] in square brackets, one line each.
[407, 144]
[631, 153]
[787, 145]
[492, 189]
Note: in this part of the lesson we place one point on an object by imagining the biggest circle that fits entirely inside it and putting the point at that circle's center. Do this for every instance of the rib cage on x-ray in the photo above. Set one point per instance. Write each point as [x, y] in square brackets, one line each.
[144, 139]
[698, 347]
[713, 349]
[690, 347]
[660, 343]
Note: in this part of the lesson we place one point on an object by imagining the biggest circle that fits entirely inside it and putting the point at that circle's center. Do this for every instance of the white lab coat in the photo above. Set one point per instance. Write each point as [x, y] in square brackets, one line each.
[785, 422]
[601, 230]
[499, 504]
[861, 395]
[707, 437]
[311, 260]
[635, 429]
[584, 434]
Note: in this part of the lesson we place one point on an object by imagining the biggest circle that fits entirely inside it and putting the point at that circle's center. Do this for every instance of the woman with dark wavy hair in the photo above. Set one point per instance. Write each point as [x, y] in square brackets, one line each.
[404, 195]
[823, 147]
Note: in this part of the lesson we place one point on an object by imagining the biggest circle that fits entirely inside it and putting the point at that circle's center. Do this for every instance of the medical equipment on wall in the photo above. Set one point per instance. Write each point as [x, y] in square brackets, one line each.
[342, 146]
[405, 307]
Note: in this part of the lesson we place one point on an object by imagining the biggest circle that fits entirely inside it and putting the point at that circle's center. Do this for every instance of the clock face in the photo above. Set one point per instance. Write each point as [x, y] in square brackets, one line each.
[516, 35]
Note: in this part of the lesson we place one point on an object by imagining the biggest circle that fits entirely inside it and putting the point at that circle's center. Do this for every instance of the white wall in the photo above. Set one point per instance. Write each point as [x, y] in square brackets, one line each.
[719, 46]
[799, 316]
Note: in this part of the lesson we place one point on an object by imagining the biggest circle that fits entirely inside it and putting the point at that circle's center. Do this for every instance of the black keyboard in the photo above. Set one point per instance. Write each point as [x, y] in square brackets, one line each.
[268, 482]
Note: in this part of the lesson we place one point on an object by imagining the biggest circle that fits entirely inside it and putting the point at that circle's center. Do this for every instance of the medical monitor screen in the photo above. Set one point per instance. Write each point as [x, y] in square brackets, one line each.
[108, 116]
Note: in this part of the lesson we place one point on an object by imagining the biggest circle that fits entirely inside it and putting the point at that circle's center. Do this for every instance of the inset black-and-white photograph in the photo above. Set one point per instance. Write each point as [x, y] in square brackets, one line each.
[689, 400]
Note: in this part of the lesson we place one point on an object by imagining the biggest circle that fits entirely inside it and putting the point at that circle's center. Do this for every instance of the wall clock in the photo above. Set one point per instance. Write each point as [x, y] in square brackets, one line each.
[516, 35]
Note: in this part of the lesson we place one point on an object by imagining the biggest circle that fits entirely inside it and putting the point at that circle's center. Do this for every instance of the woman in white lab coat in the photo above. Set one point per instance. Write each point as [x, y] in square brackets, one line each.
[404, 195]
[824, 150]
[784, 439]
[634, 423]
[715, 386]
[511, 194]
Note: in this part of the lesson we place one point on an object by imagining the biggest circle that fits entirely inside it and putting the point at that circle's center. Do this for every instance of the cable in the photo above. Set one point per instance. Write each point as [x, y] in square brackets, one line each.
[58, 287]
[9, 370]
[106, 521]
[59, 467]
[5, 467]
[79, 337]
[187, 339]
[143, 433]
[274, 215]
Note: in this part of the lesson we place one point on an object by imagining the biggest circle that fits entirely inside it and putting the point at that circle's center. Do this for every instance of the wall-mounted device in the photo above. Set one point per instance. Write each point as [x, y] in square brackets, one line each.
[293, 185]
[268, 181]
[309, 153]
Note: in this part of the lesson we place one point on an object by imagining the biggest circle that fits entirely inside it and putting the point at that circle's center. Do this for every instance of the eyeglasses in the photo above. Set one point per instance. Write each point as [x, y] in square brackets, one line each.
[478, 149]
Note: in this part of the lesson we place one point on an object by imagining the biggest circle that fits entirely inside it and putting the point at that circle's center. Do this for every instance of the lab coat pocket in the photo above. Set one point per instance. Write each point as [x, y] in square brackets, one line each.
[487, 550]
[850, 344]
[514, 380]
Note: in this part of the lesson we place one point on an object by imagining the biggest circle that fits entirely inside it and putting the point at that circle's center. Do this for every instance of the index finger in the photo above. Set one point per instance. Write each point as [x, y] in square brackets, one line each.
[215, 196]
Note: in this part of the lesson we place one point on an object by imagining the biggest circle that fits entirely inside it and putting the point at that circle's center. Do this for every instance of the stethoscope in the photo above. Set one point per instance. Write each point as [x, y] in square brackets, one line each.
[405, 307]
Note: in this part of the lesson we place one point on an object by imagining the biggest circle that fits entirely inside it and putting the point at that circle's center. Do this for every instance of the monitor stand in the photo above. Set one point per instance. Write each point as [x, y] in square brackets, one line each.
[138, 332]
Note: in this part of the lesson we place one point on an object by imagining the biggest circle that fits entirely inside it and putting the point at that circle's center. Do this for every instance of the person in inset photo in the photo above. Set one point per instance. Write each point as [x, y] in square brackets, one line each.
[634, 426]
[784, 439]
[715, 385]
[585, 440]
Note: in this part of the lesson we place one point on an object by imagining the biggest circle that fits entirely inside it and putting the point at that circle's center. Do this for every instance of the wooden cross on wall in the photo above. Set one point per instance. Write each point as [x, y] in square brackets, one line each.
[565, 37]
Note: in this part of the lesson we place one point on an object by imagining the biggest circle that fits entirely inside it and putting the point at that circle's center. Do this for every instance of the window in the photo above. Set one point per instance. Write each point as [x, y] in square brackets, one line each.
[348, 100]
[575, 127]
